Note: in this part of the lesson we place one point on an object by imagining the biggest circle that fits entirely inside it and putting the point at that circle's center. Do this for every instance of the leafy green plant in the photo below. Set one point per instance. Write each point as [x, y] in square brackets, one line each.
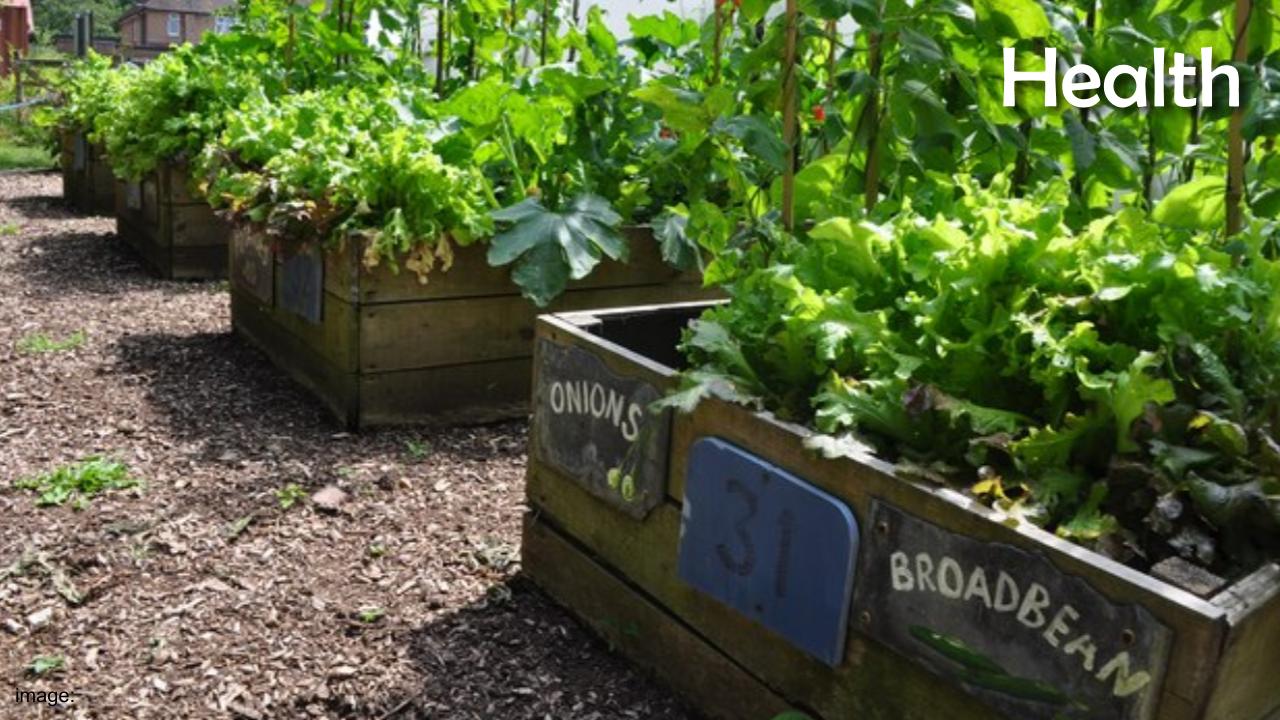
[46, 664]
[418, 450]
[290, 495]
[1115, 385]
[39, 343]
[80, 482]
[370, 615]
[550, 248]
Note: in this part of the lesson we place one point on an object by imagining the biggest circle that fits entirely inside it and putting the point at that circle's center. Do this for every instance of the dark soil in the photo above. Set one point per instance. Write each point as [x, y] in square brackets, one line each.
[200, 595]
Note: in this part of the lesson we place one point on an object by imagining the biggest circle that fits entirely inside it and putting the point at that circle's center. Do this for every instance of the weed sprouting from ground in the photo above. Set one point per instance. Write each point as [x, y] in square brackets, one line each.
[39, 343]
[79, 483]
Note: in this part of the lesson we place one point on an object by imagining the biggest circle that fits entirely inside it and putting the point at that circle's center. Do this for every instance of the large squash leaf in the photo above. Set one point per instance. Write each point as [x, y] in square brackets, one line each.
[550, 248]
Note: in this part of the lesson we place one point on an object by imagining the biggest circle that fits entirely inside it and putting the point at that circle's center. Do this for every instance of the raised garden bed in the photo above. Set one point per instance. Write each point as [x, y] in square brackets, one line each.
[176, 232]
[751, 573]
[380, 348]
[87, 183]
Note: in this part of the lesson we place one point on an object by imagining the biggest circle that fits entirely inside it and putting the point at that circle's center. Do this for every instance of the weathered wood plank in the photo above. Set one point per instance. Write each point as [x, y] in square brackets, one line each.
[432, 359]
[401, 336]
[1246, 683]
[102, 181]
[177, 240]
[642, 631]
[1197, 624]
[336, 388]
[467, 393]
[645, 554]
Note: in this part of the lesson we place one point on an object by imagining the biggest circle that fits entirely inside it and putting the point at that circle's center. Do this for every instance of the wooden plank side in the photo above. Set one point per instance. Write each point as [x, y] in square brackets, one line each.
[198, 226]
[138, 235]
[332, 340]
[871, 684]
[102, 180]
[472, 276]
[641, 630]
[177, 182]
[1246, 686]
[463, 394]
[199, 263]
[403, 336]
[336, 389]
[1197, 625]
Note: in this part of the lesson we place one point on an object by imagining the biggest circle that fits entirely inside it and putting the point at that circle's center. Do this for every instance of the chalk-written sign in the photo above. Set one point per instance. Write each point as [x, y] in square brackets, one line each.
[302, 284]
[1010, 627]
[769, 545]
[597, 428]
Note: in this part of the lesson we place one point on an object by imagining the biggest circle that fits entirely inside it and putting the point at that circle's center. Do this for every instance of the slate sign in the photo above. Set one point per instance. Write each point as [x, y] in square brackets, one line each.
[1007, 625]
[79, 152]
[252, 267]
[133, 195]
[595, 426]
[302, 284]
[769, 545]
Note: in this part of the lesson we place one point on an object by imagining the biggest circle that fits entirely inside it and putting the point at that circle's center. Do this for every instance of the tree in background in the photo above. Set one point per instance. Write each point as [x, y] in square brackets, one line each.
[56, 17]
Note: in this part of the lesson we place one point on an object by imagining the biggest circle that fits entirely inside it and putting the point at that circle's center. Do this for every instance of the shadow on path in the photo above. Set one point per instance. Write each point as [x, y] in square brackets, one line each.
[205, 383]
[517, 656]
[91, 264]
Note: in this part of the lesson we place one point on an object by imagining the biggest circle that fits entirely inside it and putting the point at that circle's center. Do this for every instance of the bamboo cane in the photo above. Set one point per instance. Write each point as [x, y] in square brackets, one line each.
[1235, 132]
[442, 20]
[789, 116]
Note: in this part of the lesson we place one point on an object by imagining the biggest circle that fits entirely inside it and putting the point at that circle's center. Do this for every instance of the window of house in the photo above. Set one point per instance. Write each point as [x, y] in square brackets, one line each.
[174, 26]
[223, 23]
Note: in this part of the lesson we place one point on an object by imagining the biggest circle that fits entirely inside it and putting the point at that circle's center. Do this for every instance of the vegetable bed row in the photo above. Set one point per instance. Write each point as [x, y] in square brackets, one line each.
[989, 418]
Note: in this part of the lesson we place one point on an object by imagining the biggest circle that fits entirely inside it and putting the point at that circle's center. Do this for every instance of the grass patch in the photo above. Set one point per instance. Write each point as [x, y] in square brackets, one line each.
[45, 664]
[290, 495]
[80, 482]
[39, 343]
[370, 615]
[418, 450]
[24, 157]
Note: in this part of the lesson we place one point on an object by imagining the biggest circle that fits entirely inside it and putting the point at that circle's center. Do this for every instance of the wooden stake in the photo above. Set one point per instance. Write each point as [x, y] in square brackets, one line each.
[875, 61]
[831, 74]
[789, 117]
[546, 20]
[1235, 133]
[442, 20]
[573, 51]
[717, 8]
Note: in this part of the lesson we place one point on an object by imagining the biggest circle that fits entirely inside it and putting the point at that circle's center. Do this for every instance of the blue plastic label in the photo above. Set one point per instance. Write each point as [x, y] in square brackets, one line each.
[770, 545]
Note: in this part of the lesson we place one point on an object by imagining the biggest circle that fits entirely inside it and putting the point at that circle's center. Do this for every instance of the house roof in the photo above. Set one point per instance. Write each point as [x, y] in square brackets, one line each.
[201, 7]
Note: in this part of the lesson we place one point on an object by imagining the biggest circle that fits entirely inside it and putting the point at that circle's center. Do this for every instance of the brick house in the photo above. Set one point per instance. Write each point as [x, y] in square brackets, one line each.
[152, 26]
[16, 27]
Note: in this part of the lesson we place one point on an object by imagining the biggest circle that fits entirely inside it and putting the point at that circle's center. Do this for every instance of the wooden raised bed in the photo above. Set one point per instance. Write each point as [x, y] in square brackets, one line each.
[87, 183]
[380, 348]
[752, 574]
[174, 230]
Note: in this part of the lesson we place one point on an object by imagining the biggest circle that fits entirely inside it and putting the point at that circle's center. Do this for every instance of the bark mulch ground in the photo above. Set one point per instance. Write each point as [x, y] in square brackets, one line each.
[200, 594]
